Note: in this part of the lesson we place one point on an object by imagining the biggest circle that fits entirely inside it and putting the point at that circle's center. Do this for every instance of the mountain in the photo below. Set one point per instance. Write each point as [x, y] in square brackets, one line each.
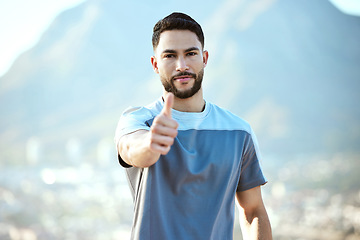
[291, 68]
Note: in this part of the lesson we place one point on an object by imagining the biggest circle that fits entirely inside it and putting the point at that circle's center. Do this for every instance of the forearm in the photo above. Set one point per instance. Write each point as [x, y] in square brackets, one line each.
[134, 149]
[256, 225]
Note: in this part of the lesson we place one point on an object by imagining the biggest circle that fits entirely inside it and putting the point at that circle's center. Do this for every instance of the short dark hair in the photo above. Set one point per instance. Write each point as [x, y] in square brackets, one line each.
[176, 21]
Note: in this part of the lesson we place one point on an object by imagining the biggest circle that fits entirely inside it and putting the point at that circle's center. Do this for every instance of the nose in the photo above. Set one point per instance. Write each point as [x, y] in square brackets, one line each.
[181, 65]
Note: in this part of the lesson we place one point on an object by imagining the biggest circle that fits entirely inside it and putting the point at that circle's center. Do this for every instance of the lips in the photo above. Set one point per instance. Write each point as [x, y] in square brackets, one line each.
[183, 78]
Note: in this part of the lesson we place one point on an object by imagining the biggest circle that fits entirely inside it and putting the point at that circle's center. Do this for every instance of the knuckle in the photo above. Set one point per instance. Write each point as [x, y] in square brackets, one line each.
[160, 117]
[166, 150]
[157, 119]
[173, 133]
[154, 128]
[174, 123]
[152, 138]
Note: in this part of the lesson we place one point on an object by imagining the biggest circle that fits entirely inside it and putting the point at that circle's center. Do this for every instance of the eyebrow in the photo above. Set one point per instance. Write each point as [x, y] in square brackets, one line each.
[187, 50]
[192, 49]
[169, 51]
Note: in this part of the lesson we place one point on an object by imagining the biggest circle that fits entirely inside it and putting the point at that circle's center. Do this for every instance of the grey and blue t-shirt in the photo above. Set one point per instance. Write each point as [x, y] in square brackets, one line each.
[190, 192]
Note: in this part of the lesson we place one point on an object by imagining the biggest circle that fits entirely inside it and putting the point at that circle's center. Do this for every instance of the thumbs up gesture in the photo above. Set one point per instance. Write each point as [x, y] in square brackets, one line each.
[164, 129]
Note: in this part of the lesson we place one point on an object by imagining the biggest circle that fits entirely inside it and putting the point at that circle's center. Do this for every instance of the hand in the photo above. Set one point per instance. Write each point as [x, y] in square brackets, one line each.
[164, 129]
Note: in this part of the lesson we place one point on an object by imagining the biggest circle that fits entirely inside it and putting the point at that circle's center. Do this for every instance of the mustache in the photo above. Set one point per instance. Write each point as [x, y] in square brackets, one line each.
[184, 74]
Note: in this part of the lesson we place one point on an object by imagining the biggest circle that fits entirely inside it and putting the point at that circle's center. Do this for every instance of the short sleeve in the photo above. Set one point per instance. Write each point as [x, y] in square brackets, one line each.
[132, 119]
[251, 173]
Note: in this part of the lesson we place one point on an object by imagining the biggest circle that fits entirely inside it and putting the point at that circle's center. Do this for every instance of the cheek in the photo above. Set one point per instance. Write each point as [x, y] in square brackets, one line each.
[165, 68]
[199, 66]
[198, 63]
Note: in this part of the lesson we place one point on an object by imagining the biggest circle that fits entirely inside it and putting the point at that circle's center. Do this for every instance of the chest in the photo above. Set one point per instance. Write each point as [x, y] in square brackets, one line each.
[204, 156]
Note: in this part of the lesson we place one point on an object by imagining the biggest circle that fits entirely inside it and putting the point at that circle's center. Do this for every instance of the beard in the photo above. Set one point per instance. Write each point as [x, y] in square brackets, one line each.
[169, 85]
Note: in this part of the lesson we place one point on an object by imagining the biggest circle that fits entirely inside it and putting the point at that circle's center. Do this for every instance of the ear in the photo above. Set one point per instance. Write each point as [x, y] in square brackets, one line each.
[154, 64]
[205, 57]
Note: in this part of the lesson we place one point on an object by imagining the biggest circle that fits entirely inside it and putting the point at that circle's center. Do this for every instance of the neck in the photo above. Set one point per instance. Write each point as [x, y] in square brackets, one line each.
[195, 103]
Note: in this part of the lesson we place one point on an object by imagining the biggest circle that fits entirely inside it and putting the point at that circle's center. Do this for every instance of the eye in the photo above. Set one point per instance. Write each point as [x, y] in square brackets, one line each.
[191, 54]
[169, 56]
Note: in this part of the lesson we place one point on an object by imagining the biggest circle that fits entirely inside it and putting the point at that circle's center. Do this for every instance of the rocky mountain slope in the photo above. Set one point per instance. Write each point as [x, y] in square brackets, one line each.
[291, 68]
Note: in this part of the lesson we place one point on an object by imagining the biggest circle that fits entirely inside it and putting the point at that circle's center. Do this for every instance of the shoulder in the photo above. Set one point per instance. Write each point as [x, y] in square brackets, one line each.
[227, 120]
[144, 112]
[136, 118]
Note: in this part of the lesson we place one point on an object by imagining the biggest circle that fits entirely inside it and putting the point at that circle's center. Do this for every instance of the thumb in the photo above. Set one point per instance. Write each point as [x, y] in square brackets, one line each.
[169, 101]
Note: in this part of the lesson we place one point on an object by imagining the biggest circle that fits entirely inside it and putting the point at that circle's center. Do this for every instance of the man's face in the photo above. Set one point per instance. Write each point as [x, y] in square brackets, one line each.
[179, 60]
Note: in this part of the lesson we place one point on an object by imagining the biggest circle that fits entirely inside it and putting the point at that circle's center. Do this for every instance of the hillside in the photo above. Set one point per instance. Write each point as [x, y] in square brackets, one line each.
[290, 68]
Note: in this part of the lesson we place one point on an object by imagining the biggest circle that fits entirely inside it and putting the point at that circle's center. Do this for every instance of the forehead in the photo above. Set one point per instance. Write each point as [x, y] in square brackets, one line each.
[178, 40]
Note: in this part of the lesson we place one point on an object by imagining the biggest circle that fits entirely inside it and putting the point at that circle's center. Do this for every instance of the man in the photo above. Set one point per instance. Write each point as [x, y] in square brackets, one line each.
[187, 159]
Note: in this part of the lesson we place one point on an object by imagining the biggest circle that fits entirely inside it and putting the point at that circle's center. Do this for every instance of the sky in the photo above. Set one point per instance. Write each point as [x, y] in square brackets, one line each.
[22, 22]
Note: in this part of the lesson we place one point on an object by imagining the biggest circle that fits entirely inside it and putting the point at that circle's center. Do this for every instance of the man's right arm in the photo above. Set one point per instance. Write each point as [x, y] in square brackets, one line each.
[143, 148]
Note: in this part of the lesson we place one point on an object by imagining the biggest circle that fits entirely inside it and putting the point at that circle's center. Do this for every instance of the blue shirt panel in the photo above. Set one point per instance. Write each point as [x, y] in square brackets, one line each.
[189, 193]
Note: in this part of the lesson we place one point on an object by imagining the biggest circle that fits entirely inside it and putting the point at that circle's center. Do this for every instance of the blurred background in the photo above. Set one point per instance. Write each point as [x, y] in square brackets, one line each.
[69, 69]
